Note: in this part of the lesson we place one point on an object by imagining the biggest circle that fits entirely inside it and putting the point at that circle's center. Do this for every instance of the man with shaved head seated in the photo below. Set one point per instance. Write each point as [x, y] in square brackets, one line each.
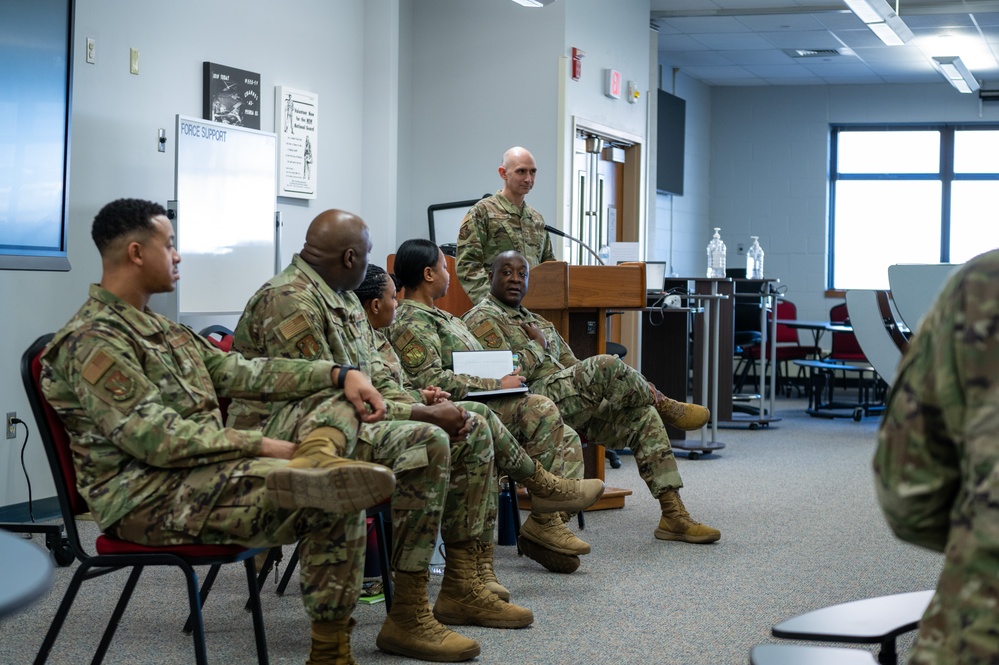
[442, 454]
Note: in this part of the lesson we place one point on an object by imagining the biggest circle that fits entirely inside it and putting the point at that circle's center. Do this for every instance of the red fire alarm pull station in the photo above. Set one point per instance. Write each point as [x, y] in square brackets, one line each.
[577, 63]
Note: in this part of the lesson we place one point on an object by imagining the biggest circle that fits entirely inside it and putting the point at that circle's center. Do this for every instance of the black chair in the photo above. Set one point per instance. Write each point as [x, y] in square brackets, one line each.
[114, 554]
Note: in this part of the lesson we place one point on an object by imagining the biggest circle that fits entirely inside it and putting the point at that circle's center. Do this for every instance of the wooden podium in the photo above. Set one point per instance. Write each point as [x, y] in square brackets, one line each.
[576, 300]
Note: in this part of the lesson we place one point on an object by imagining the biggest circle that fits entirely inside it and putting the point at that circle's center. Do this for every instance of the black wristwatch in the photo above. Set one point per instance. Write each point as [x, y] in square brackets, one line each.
[341, 378]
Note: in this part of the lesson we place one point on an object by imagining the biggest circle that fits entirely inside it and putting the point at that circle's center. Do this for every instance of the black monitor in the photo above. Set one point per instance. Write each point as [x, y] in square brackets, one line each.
[36, 49]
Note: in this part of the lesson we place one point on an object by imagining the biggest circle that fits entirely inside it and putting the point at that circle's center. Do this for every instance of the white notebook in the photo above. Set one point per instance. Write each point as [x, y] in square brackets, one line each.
[488, 365]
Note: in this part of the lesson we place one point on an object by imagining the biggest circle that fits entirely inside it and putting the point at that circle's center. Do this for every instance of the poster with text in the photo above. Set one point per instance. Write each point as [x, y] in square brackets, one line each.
[231, 96]
[296, 121]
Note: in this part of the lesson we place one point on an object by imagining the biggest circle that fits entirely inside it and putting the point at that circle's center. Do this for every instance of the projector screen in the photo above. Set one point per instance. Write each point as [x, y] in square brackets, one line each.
[36, 46]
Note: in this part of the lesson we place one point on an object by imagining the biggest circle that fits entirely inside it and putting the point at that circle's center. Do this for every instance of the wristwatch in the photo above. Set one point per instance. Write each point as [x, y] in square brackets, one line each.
[342, 376]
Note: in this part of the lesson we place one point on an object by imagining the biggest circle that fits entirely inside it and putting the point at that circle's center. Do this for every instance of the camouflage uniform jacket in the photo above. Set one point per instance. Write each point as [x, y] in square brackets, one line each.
[297, 315]
[497, 326]
[495, 225]
[138, 394]
[937, 460]
[424, 338]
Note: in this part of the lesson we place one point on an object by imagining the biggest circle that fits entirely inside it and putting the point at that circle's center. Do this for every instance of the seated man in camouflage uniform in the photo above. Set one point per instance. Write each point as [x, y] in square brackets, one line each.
[424, 336]
[600, 395]
[309, 311]
[138, 395]
[936, 463]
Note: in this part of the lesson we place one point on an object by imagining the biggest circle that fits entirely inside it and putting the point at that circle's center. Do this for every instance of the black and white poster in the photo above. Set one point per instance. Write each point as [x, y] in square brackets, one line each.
[231, 96]
[296, 123]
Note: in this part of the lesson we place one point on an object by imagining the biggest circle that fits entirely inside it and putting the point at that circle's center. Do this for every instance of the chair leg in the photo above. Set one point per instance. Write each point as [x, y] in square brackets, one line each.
[580, 520]
[60, 617]
[119, 611]
[213, 572]
[286, 578]
[195, 600]
[515, 516]
[384, 548]
[258, 614]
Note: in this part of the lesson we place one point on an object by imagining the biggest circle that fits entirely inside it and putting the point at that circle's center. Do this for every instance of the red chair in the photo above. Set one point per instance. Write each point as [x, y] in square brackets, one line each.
[845, 347]
[114, 554]
[788, 346]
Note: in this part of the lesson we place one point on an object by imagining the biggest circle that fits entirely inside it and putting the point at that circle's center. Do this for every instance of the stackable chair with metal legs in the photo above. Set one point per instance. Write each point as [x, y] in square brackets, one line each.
[114, 554]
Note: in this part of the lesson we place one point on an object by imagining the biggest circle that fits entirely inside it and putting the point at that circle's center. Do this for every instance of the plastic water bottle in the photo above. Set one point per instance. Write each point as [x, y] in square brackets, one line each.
[754, 260]
[716, 255]
[604, 254]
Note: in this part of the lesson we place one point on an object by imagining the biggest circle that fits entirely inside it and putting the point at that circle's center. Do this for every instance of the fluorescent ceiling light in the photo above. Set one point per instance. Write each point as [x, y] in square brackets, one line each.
[534, 3]
[956, 73]
[882, 20]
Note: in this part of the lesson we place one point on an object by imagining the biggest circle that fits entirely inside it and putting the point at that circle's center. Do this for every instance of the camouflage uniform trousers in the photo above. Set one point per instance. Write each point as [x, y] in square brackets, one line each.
[439, 485]
[332, 546]
[535, 422]
[611, 403]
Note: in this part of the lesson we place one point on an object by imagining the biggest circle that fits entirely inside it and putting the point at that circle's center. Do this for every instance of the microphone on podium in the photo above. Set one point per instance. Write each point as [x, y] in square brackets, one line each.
[559, 232]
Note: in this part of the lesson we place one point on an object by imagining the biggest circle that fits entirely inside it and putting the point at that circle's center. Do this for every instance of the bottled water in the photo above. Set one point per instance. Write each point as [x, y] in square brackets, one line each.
[754, 260]
[716, 255]
[604, 254]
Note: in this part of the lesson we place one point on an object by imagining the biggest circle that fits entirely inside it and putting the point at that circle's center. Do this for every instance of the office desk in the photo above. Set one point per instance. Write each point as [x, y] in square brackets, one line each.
[25, 573]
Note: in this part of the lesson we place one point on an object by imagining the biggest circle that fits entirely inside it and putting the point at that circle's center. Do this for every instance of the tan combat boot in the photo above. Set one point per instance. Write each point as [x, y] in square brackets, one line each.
[331, 643]
[550, 494]
[553, 561]
[682, 415]
[317, 477]
[464, 600]
[411, 630]
[676, 523]
[487, 574]
[549, 531]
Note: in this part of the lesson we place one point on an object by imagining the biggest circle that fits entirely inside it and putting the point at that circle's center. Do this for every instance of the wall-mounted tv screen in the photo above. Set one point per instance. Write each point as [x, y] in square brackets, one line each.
[36, 47]
[670, 145]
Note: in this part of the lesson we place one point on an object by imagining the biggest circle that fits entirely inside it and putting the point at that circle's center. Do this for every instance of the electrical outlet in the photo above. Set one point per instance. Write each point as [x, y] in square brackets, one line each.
[591, 327]
[133, 61]
[11, 427]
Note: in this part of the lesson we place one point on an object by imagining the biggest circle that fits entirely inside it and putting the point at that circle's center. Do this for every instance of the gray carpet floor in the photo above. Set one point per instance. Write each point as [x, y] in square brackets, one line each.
[800, 530]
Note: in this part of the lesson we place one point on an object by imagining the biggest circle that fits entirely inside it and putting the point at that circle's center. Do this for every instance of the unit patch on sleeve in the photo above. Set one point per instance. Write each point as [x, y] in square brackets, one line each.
[487, 334]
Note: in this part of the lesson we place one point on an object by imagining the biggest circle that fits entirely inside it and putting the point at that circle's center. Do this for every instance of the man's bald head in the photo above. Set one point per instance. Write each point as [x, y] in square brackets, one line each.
[518, 171]
[336, 247]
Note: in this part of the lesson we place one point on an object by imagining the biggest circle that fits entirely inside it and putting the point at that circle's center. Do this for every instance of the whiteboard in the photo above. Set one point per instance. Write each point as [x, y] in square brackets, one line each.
[226, 191]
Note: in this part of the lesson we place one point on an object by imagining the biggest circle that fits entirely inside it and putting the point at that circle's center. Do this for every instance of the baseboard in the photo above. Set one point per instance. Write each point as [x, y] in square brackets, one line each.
[42, 509]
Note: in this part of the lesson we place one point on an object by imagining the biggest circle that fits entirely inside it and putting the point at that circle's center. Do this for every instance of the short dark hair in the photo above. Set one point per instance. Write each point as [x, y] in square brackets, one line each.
[413, 256]
[122, 217]
[373, 286]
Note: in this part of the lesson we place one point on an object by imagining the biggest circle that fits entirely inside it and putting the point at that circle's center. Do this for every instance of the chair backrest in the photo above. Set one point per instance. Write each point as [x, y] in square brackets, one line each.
[787, 310]
[218, 335]
[55, 440]
[844, 344]
[455, 301]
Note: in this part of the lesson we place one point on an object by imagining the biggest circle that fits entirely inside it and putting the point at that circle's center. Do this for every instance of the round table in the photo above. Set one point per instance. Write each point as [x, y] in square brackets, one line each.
[25, 573]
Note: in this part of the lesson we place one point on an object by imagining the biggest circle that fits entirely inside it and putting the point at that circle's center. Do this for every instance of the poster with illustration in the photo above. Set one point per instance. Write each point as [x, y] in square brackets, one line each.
[231, 96]
[296, 122]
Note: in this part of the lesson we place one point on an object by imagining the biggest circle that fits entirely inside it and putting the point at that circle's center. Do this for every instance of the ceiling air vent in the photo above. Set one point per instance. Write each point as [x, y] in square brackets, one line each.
[817, 53]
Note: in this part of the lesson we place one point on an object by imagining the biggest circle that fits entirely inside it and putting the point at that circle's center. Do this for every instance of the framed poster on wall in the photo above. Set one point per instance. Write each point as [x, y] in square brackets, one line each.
[296, 123]
[231, 96]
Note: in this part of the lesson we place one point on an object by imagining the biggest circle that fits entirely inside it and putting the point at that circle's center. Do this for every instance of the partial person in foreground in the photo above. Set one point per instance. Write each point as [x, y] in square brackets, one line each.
[138, 394]
[600, 396]
[937, 463]
[502, 222]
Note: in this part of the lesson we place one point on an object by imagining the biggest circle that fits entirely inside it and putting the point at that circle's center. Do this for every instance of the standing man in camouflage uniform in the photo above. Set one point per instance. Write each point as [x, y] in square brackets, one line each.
[138, 395]
[424, 337]
[937, 459]
[309, 311]
[600, 395]
[501, 222]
